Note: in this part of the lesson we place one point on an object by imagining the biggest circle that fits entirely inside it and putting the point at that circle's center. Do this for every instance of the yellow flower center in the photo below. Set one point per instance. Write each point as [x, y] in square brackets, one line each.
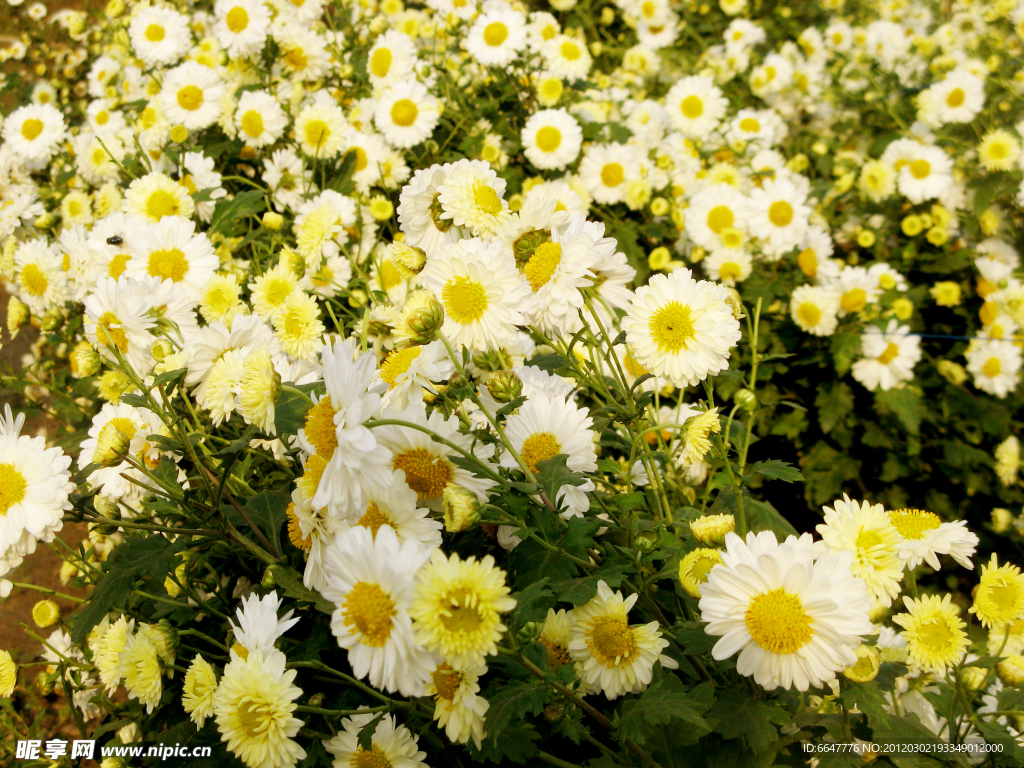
[404, 112]
[373, 758]
[316, 133]
[361, 159]
[12, 487]
[425, 473]
[935, 634]
[549, 139]
[162, 203]
[611, 641]
[890, 354]
[538, 447]
[914, 523]
[368, 609]
[780, 213]
[729, 271]
[398, 363]
[854, 300]
[155, 33]
[373, 518]
[672, 327]
[117, 265]
[487, 199]
[992, 368]
[252, 124]
[495, 33]
[692, 107]
[319, 428]
[296, 58]
[612, 175]
[389, 276]
[955, 97]
[295, 532]
[809, 314]
[111, 434]
[380, 62]
[461, 611]
[446, 681]
[109, 331]
[750, 125]
[1002, 592]
[542, 264]
[465, 300]
[190, 97]
[237, 19]
[33, 280]
[169, 264]
[920, 169]
[570, 51]
[720, 217]
[778, 623]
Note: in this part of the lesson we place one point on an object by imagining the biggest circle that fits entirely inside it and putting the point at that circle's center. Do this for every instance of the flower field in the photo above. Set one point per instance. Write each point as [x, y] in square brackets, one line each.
[586, 383]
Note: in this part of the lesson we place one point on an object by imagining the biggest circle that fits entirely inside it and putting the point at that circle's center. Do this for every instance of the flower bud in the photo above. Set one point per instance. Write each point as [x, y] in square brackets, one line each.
[17, 316]
[269, 577]
[179, 134]
[529, 632]
[273, 221]
[45, 221]
[316, 700]
[504, 386]
[51, 320]
[408, 259]
[45, 613]
[952, 372]
[45, 683]
[161, 349]
[645, 541]
[1002, 520]
[866, 668]
[111, 447]
[425, 321]
[461, 508]
[7, 258]
[745, 399]
[710, 530]
[973, 678]
[84, 360]
[115, 8]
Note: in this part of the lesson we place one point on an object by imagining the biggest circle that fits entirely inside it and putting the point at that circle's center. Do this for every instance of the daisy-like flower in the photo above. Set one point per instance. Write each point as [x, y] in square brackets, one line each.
[999, 596]
[889, 356]
[923, 537]
[552, 138]
[258, 625]
[259, 119]
[471, 196]
[995, 366]
[606, 169]
[396, 505]
[728, 266]
[925, 174]
[390, 744]
[681, 329]
[170, 249]
[613, 656]
[254, 707]
[407, 372]
[566, 57]
[697, 434]
[298, 326]
[41, 279]
[999, 150]
[259, 390]
[877, 180]
[481, 290]
[241, 27]
[117, 431]
[866, 531]
[496, 36]
[320, 130]
[796, 620]
[777, 214]
[957, 98]
[713, 215]
[419, 210]
[370, 578]
[457, 706]
[695, 567]
[34, 131]
[457, 607]
[557, 271]
[107, 649]
[160, 35]
[406, 113]
[934, 632]
[695, 106]
[391, 59]
[140, 669]
[191, 95]
[156, 195]
[270, 290]
[116, 317]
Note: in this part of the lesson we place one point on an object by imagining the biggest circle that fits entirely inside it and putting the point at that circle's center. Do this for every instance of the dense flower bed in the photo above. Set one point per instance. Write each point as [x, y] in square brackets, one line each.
[449, 384]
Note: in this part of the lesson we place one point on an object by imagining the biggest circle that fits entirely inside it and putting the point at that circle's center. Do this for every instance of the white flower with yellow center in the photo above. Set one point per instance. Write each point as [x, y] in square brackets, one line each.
[420, 215]
[457, 607]
[957, 98]
[160, 35]
[198, 690]
[995, 366]
[864, 530]
[407, 372]
[241, 26]
[170, 249]
[259, 119]
[258, 625]
[715, 214]
[320, 130]
[396, 505]
[925, 174]
[606, 170]
[481, 290]
[856, 286]
[557, 271]
[777, 213]
[496, 36]
[370, 153]
[551, 139]
[934, 632]
[191, 95]
[471, 196]
[120, 430]
[566, 57]
[97, 159]
[795, 620]
[406, 113]
[695, 106]
[33, 132]
[370, 578]
[889, 356]
[207, 347]
[116, 318]
[40, 276]
[999, 150]
[681, 329]
[611, 655]
[728, 266]
[877, 180]
[104, 121]
[271, 289]
[254, 707]
[923, 537]
[999, 596]
[457, 706]
[391, 745]
[302, 11]
[391, 59]
[156, 195]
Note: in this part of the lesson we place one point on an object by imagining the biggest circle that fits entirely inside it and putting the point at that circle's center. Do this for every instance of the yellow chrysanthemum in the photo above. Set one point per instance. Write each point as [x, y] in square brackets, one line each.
[8, 675]
[695, 567]
[999, 597]
[200, 685]
[934, 632]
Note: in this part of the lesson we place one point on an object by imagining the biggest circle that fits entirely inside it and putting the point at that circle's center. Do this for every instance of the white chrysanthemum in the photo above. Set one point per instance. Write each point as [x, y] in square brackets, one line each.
[471, 196]
[481, 290]
[995, 366]
[155, 196]
[923, 537]
[406, 113]
[370, 578]
[420, 213]
[728, 266]
[864, 530]
[606, 170]
[889, 356]
[925, 174]
[713, 213]
[957, 98]
[391, 59]
[681, 329]
[320, 129]
[457, 706]
[170, 249]
[41, 279]
[556, 272]
[407, 372]
[254, 707]
[33, 132]
[426, 463]
[191, 95]
[241, 26]
[397, 506]
[139, 666]
[258, 625]
[566, 57]
[695, 106]
[116, 317]
[777, 214]
[551, 139]
[496, 36]
[794, 619]
[120, 426]
[390, 744]
[856, 287]
[160, 35]
[612, 656]
[259, 119]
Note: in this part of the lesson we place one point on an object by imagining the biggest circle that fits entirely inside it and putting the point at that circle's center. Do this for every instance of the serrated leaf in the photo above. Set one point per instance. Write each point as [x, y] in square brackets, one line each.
[833, 405]
[905, 404]
[665, 701]
[229, 212]
[366, 733]
[290, 412]
[777, 470]
[580, 591]
[739, 714]
[553, 473]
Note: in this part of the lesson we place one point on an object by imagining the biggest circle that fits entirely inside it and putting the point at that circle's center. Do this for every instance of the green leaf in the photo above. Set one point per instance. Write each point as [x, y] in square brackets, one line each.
[833, 405]
[845, 349]
[514, 702]
[762, 516]
[515, 742]
[290, 412]
[532, 603]
[739, 714]
[777, 470]
[169, 377]
[366, 733]
[580, 591]
[665, 701]
[291, 584]
[905, 404]
[553, 473]
[268, 510]
[228, 213]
